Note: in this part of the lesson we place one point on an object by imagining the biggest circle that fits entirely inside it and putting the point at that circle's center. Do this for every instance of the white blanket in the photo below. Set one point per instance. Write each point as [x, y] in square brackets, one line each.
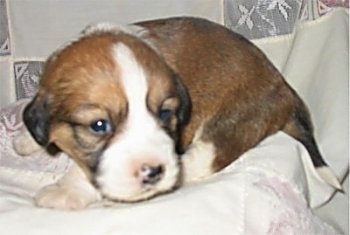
[262, 193]
[267, 191]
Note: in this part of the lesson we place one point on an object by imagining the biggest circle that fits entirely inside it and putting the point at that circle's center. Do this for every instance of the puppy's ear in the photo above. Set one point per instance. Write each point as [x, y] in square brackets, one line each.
[36, 119]
[184, 110]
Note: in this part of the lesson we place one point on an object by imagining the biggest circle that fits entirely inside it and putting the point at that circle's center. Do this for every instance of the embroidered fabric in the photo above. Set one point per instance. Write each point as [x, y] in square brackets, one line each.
[40, 164]
[264, 18]
[10, 124]
[22, 56]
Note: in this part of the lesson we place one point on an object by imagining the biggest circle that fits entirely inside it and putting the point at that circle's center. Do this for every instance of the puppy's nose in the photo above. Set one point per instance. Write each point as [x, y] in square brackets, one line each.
[151, 174]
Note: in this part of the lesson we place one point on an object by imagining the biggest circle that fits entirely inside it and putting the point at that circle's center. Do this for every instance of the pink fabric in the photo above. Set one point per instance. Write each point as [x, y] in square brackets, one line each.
[335, 3]
[10, 124]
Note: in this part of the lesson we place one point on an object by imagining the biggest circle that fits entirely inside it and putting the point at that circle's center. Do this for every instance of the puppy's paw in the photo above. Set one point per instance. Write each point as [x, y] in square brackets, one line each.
[66, 197]
[24, 144]
[197, 161]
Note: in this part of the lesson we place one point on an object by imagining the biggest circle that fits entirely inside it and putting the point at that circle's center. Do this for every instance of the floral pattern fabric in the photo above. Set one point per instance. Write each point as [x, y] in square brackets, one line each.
[10, 125]
[19, 72]
[264, 18]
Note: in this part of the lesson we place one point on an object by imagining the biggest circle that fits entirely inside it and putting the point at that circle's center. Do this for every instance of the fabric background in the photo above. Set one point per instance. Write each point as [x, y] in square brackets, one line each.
[31, 30]
[25, 40]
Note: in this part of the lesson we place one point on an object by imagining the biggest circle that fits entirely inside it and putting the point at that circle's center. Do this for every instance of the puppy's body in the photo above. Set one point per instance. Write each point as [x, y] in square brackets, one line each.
[125, 103]
[237, 95]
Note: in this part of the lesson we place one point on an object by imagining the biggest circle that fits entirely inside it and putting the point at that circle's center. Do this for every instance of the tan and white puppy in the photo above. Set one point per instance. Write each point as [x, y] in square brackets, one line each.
[126, 103]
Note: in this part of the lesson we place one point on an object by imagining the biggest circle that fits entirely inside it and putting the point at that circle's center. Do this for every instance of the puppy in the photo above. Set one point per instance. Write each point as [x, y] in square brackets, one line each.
[145, 108]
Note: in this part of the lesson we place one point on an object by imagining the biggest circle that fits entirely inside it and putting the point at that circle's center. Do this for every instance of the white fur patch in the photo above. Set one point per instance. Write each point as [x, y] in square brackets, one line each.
[101, 27]
[198, 159]
[107, 27]
[72, 192]
[329, 177]
[131, 29]
[142, 142]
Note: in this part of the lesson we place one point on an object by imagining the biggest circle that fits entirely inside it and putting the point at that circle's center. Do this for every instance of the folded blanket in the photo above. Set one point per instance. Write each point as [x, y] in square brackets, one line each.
[264, 192]
[261, 193]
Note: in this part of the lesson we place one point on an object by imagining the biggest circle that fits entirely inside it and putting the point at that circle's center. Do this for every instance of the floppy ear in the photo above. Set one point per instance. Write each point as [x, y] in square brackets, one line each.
[36, 119]
[184, 110]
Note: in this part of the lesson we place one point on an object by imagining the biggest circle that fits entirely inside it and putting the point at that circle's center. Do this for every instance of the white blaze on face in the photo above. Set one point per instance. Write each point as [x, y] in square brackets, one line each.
[142, 142]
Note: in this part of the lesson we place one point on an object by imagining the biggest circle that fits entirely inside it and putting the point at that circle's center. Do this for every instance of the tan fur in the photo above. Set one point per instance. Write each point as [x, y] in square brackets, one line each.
[228, 80]
[85, 86]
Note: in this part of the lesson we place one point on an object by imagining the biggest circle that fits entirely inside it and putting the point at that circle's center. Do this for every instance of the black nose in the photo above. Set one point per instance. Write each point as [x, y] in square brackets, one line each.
[151, 174]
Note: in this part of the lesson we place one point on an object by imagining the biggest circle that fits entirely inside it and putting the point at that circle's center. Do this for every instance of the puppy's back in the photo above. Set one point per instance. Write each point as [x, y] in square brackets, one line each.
[238, 96]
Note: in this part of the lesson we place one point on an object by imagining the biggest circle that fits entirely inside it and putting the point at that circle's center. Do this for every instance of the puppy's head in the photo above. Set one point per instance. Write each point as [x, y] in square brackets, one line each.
[113, 105]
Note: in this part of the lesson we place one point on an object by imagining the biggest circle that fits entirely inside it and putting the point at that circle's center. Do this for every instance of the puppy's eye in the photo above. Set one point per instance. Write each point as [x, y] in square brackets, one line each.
[101, 127]
[165, 115]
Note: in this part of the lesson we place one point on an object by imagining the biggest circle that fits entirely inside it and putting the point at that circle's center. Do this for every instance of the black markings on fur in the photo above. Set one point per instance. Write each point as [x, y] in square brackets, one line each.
[184, 111]
[36, 119]
[306, 137]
